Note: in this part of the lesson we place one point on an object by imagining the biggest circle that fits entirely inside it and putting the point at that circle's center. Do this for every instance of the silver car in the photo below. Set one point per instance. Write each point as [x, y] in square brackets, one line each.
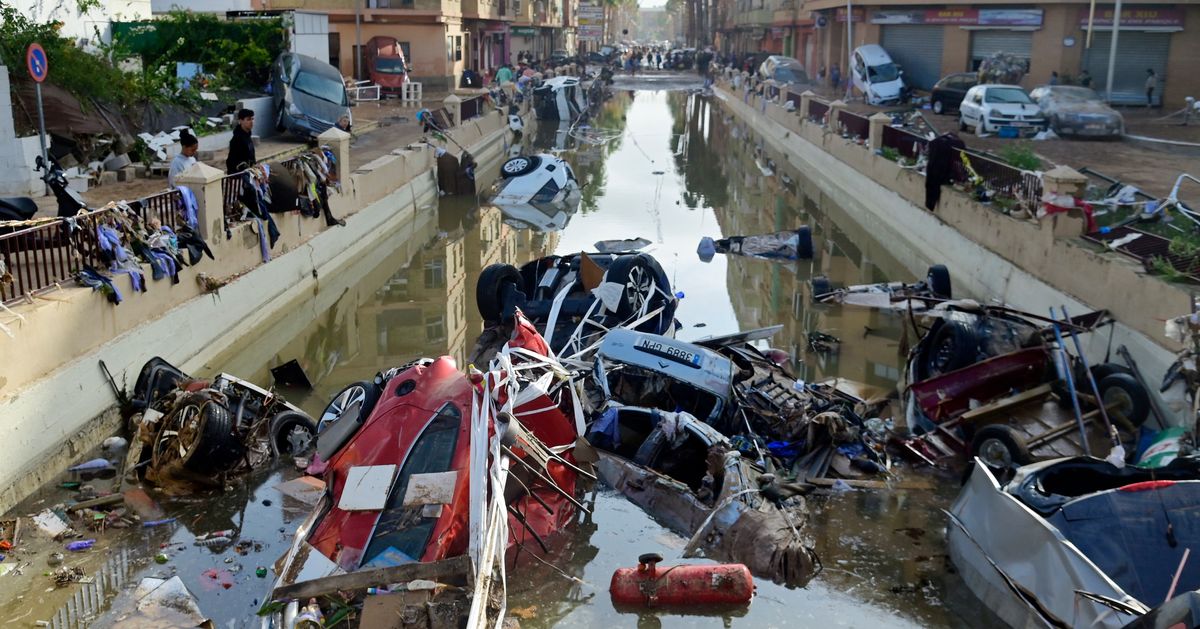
[309, 95]
[1074, 110]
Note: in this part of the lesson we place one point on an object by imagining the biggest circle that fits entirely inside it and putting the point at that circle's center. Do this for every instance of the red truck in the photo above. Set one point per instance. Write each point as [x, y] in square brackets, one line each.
[386, 65]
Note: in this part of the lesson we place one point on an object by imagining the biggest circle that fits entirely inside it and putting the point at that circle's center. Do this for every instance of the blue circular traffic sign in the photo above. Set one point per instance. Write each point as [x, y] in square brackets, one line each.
[36, 62]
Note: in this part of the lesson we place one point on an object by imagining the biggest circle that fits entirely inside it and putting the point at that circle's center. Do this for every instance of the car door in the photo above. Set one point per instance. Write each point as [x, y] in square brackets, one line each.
[967, 109]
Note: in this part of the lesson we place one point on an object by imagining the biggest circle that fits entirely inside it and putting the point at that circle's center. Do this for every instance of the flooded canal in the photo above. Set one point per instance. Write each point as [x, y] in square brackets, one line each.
[666, 165]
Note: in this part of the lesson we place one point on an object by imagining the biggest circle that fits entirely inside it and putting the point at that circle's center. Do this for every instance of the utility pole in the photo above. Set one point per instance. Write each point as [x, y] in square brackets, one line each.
[358, 39]
[846, 72]
[1112, 50]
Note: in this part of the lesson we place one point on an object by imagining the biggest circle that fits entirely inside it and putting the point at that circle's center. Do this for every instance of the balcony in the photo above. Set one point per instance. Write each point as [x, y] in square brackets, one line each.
[376, 10]
[486, 9]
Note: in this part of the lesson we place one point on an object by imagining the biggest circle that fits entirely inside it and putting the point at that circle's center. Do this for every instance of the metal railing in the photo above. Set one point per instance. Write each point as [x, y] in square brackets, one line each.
[853, 124]
[167, 207]
[794, 99]
[817, 110]
[231, 192]
[471, 107]
[1003, 179]
[905, 143]
[1147, 248]
[43, 256]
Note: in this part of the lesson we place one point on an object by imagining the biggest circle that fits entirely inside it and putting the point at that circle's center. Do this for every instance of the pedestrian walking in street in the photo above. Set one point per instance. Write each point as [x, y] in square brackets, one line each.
[835, 76]
[504, 75]
[186, 157]
[658, 60]
[1053, 78]
[1151, 83]
[241, 145]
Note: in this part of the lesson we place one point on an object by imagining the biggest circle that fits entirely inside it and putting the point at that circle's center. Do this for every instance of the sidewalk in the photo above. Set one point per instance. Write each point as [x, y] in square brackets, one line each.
[379, 127]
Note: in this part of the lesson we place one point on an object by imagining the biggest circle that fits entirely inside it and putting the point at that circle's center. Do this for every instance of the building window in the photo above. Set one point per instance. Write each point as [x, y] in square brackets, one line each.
[435, 329]
[458, 47]
[435, 274]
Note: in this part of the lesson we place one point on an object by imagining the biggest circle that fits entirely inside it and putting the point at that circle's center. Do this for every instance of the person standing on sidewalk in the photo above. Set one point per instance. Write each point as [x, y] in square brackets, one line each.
[186, 157]
[241, 145]
[1151, 83]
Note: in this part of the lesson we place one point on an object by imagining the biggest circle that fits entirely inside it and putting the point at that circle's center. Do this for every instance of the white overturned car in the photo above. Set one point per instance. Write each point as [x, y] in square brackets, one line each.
[540, 180]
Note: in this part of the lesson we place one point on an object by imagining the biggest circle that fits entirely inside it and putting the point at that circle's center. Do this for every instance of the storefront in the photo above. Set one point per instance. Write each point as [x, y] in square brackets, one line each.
[915, 38]
[1145, 43]
[491, 47]
[522, 42]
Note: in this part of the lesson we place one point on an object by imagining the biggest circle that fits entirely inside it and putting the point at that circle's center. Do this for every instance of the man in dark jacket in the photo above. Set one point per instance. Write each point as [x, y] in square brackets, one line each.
[944, 166]
[241, 145]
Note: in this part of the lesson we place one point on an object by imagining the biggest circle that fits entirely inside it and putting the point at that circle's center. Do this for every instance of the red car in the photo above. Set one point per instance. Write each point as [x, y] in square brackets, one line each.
[419, 421]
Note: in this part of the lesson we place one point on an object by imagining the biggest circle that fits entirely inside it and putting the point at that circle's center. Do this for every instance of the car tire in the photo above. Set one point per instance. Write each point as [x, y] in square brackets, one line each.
[939, 107]
[1104, 370]
[821, 286]
[638, 275]
[938, 280]
[519, 165]
[804, 243]
[353, 395]
[489, 290]
[1132, 398]
[980, 127]
[292, 434]
[203, 439]
[962, 122]
[954, 345]
[1000, 447]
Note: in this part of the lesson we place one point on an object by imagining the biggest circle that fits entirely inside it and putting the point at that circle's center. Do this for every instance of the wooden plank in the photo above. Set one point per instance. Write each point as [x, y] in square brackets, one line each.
[97, 502]
[1007, 403]
[456, 568]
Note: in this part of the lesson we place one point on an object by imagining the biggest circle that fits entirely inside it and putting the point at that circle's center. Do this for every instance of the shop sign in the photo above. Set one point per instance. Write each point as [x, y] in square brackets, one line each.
[590, 32]
[859, 14]
[523, 31]
[778, 31]
[1137, 16]
[961, 17]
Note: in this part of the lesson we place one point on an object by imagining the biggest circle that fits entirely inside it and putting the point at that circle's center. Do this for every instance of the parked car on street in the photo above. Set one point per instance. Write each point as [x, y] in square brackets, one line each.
[386, 64]
[876, 75]
[1002, 109]
[949, 92]
[782, 70]
[1075, 110]
[308, 93]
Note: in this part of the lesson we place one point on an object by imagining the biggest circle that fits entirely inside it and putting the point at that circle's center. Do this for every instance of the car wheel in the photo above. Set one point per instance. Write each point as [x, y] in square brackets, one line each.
[1000, 447]
[519, 165]
[954, 345]
[1130, 397]
[489, 290]
[939, 107]
[938, 280]
[642, 284]
[980, 127]
[292, 434]
[1104, 370]
[962, 122]
[804, 243]
[351, 400]
[200, 436]
[821, 286]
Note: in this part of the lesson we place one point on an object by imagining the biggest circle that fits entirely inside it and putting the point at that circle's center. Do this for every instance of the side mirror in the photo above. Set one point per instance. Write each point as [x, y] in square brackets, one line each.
[41, 163]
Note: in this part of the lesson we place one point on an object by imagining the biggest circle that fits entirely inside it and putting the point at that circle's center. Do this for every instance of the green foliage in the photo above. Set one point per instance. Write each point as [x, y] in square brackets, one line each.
[890, 154]
[84, 75]
[1184, 246]
[1021, 156]
[1163, 267]
[1005, 203]
[237, 53]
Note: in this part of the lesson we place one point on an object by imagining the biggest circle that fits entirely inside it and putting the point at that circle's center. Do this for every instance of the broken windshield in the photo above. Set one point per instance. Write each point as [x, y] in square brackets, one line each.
[883, 73]
[321, 87]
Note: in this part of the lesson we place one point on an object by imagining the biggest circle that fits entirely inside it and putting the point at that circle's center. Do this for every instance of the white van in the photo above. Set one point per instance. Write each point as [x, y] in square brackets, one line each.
[876, 75]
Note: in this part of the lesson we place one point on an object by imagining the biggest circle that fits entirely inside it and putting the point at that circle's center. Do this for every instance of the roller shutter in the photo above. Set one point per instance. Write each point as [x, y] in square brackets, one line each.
[1136, 51]
[988, 42]
[918, 50]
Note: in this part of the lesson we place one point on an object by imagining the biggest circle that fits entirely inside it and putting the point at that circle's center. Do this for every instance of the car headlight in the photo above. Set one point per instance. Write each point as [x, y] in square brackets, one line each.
[293, 110]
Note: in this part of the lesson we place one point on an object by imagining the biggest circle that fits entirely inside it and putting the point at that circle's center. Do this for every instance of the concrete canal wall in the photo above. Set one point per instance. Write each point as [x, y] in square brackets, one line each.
[54, 400]
[1028, 264]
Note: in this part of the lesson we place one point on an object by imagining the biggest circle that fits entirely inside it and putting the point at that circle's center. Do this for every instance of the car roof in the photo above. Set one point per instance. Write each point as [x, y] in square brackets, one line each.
[873, 54]
[316, 66]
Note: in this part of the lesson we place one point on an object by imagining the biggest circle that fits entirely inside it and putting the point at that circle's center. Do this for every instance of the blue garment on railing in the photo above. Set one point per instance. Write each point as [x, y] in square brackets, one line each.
[110, 242]
[91, 277]
[135, 277]
[190, 206]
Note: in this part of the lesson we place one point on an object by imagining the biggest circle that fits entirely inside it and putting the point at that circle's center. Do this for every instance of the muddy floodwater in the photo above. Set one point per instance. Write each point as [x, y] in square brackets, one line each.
[659, 162]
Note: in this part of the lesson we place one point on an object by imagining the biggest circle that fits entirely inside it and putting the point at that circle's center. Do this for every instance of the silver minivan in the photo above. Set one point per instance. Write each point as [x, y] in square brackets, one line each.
[309, 95]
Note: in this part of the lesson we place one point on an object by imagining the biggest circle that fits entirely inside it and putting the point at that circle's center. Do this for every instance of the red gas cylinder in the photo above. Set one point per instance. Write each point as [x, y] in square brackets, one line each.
[649, 585]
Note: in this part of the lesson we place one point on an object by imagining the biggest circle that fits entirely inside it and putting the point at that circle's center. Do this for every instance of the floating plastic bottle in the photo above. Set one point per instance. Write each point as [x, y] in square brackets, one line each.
[81, 545]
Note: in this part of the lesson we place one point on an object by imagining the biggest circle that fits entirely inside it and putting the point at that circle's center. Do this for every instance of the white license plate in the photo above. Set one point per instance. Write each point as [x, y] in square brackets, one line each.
[1095, 127]
[692, 359]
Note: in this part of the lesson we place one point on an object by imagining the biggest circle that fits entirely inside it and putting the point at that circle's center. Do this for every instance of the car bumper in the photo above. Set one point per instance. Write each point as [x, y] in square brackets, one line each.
[306, 126]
